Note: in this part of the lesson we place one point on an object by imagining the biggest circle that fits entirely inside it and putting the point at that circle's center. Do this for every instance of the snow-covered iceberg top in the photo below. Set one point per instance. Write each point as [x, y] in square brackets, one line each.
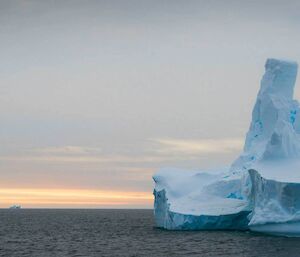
[261, 189]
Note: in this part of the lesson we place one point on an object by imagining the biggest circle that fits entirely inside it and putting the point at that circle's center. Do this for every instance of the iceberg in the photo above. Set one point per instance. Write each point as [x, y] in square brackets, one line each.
[260, 191]
[14, 207]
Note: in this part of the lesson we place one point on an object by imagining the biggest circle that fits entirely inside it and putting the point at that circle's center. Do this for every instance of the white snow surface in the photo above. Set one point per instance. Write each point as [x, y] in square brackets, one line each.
[261, 189]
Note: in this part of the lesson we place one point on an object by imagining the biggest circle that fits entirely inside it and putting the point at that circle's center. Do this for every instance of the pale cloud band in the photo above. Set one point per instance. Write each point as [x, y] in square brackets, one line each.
[201, 146]
[158, 150]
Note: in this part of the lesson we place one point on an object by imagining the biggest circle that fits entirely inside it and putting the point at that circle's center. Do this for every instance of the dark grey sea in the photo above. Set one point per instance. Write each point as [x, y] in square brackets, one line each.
[42, 233]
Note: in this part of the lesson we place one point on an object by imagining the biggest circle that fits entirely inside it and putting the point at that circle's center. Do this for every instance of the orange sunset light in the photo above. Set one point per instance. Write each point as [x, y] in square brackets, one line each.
[76, 198]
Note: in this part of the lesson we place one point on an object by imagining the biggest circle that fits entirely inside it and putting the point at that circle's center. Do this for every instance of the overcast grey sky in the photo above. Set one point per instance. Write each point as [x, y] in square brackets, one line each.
[99, 94]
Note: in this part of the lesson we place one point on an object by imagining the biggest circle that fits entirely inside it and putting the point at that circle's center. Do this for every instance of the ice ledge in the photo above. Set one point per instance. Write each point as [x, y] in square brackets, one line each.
[177, 220]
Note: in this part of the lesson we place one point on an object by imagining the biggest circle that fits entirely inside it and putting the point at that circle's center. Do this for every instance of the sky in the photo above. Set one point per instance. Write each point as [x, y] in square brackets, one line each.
[95, 96]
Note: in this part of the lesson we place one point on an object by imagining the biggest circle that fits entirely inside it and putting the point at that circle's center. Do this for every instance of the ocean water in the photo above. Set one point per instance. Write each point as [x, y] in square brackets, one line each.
[42, 233]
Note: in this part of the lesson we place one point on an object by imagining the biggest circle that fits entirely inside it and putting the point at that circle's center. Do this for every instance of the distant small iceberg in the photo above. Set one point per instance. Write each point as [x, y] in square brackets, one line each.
[15, 207]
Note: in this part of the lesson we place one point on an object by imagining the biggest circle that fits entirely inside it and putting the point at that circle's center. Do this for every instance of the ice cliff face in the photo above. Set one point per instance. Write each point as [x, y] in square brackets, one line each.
[261, 190]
